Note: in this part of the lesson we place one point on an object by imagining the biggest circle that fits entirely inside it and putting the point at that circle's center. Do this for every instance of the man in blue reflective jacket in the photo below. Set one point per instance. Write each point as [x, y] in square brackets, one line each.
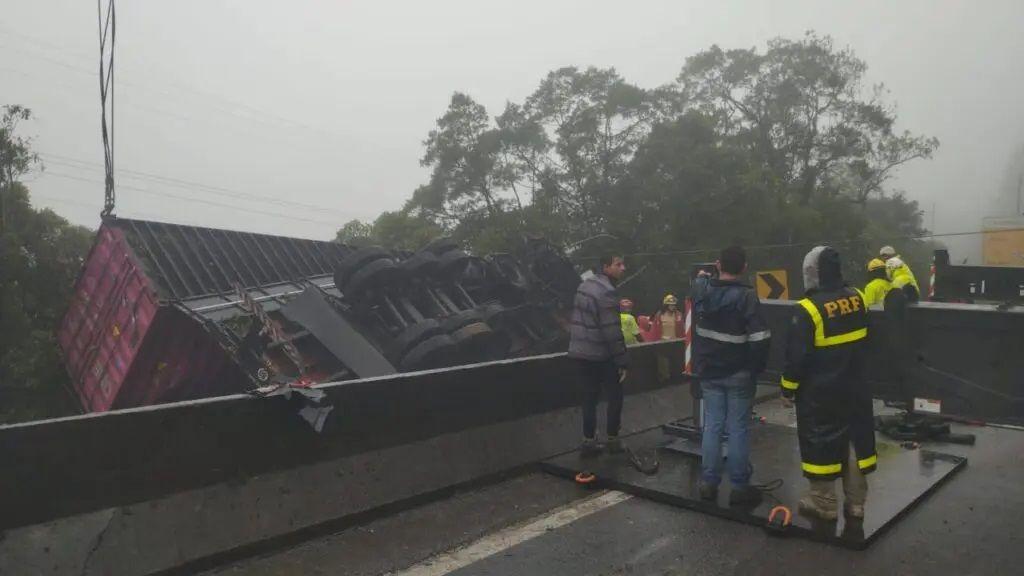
[731, 341]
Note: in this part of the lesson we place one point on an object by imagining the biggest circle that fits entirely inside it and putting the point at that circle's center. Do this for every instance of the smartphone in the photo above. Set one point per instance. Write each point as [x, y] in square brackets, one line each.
[708, 267]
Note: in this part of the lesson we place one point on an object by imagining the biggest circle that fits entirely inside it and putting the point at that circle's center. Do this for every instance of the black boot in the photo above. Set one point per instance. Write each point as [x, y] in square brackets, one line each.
[744, 496]
[707, 490]
[590, 447]
[615, 445]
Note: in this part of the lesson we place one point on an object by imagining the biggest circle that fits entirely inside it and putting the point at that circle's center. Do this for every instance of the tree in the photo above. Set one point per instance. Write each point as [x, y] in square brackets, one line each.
[16, 156]
[690, 186]
[355, 233]
[776, 150]
[464, 154]
[404, 231]
[576, 135]
[40, 256]
[799, 106]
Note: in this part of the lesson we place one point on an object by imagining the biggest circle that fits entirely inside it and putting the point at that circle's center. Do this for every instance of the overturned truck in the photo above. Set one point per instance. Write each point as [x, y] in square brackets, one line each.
[164, 312]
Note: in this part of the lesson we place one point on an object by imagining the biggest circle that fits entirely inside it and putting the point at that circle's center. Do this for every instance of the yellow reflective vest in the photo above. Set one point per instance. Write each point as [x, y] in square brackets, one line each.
[902, 276]
[875, 291]
[630, 329]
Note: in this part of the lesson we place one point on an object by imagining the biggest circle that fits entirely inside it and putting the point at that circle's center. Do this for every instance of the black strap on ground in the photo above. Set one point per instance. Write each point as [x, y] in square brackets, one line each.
[920, 428]
[644, 464]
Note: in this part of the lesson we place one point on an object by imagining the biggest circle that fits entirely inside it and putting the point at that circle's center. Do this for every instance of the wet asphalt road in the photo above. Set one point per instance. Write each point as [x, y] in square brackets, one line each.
[971, 525]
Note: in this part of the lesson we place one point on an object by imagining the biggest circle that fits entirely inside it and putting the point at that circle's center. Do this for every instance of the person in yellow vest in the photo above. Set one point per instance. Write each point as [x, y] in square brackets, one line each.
[668, 324]
[630, 329]
[826, 355]
[878, 285]
[900, 274]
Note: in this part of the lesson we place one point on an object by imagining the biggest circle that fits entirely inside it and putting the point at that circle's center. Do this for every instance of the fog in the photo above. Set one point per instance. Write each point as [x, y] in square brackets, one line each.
[324, 104]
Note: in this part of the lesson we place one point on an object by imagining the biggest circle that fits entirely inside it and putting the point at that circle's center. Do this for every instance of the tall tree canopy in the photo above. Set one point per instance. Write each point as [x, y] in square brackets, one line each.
[785, 145]
[40, 255]
[801, 108]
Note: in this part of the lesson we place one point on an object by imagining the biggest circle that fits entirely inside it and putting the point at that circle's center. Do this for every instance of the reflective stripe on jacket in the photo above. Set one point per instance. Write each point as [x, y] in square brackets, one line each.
[825, 356]
[730, 334]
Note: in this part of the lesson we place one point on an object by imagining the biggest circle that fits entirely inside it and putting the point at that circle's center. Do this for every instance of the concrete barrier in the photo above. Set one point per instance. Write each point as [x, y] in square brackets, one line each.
[966, 356]
[145, 490]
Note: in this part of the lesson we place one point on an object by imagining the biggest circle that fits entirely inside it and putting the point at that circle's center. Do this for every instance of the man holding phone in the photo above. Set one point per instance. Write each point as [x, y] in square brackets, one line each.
[730, 348]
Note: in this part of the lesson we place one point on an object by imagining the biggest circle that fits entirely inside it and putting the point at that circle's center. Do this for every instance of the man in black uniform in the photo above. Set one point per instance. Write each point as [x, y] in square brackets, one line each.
[825, 359]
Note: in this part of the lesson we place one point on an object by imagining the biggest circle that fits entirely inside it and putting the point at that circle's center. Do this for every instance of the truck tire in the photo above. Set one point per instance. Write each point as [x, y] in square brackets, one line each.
[478, 343]
[413, 335]
[460, 319]
[370, 276]
[420, 264]
[495, 314]
[434, 352]
[452, 262]
[350, 264]
[439, 246]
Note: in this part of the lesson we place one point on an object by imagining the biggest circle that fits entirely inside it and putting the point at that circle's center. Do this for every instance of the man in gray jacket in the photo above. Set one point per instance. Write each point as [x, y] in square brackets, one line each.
[597, 347]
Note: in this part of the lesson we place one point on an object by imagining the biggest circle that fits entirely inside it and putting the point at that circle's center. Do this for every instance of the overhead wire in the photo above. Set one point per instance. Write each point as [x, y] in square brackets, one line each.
[230, 107]
[59, 200]
[70, 162]
[109, 26]
[232, 207]
[715, 250]
[107, 85]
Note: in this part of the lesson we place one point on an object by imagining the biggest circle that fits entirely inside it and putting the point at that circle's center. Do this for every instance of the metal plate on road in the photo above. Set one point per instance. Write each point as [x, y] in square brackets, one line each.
[904, 479]
[772, 284]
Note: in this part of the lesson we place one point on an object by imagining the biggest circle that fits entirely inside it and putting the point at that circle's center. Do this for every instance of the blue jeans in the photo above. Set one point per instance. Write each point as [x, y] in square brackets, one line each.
[728, 403]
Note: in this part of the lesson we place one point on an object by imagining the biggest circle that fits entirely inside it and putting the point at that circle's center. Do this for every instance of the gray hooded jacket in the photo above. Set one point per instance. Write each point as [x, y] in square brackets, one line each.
[596, 330]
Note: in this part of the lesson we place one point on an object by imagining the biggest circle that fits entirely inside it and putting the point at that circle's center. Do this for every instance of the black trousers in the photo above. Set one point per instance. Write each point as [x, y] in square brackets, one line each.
[597, 375]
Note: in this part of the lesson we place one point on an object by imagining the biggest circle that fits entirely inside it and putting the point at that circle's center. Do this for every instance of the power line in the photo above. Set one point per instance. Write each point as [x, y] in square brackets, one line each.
[228, 111]
[699, 251]
[232, 207]
[69, 162]
[60, 200]
[133, 213]
[230, 107]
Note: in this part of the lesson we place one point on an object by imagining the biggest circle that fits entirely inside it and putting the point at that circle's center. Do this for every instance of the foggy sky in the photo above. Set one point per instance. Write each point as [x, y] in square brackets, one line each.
[326, 103]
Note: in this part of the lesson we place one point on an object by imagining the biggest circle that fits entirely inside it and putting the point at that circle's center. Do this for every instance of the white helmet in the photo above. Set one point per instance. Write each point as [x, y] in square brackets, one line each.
[894, 263]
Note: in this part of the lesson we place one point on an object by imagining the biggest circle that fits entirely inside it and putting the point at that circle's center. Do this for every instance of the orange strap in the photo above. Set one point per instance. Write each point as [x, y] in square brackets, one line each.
[585, 478]
[787, 515]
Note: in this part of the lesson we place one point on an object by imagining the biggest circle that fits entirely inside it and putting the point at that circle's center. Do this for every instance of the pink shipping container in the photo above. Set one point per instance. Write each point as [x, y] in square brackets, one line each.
[142, 325]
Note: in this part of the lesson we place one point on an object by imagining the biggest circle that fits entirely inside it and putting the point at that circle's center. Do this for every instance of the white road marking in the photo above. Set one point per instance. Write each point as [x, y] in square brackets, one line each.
[504, 539]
